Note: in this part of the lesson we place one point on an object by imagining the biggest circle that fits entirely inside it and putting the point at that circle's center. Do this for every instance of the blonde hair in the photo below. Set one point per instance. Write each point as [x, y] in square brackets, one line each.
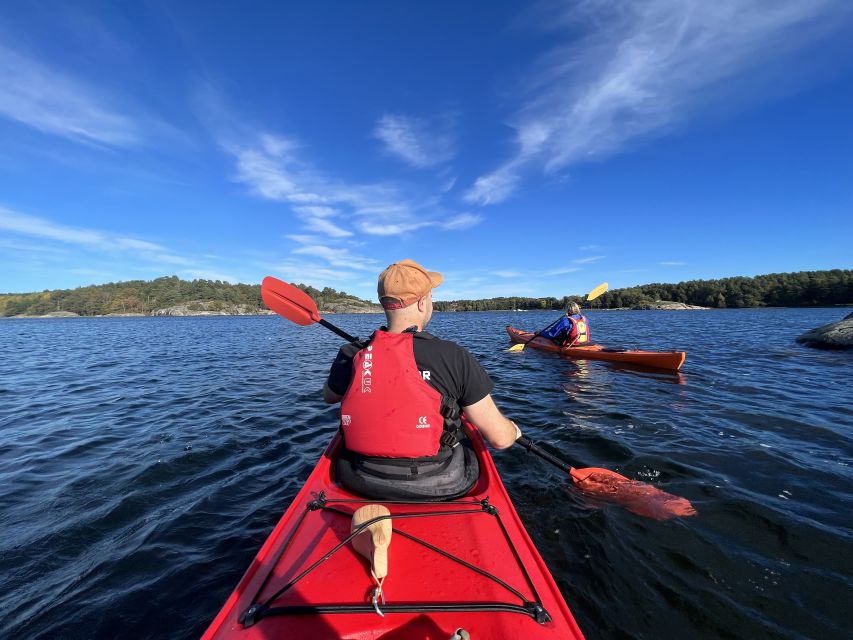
[573, 309]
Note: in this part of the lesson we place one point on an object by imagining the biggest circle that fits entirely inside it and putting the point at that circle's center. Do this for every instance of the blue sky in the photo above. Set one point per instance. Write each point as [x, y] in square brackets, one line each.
[519, 148]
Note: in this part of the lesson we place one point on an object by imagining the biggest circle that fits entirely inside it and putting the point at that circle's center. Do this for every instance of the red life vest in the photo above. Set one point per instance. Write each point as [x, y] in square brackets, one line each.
[389, 411]
[580, 330]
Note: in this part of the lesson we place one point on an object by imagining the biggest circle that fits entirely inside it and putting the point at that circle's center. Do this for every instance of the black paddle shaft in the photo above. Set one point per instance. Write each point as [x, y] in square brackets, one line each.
[343, 334]
[533, 448]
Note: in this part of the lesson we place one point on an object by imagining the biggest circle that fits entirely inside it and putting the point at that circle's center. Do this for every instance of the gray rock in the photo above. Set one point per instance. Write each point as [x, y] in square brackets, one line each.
[210, 308]
[838, 335]
[52, 314]
[666, 305]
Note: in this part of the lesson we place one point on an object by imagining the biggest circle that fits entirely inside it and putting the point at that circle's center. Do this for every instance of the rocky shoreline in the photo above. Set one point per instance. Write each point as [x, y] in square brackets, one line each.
[660, 305]
[189, 310]
[836, 335]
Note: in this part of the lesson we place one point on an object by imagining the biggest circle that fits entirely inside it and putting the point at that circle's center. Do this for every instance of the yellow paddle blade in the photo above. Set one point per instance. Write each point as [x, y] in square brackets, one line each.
[517, 347]
[592, 295]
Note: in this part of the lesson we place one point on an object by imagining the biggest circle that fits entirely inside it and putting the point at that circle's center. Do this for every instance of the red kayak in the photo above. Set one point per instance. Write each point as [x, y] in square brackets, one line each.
[460, 564]
[671, 360]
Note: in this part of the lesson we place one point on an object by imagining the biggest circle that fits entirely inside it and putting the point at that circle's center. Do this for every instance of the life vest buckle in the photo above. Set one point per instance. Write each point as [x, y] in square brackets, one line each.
[449, 439]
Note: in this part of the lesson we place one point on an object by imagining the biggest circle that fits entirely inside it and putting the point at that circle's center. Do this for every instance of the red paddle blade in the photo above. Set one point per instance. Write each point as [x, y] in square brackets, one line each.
[289, 301]
[637, 497]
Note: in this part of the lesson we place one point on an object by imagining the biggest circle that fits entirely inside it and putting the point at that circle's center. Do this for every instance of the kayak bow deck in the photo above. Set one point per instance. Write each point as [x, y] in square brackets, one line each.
[670, 360]
[466, 563]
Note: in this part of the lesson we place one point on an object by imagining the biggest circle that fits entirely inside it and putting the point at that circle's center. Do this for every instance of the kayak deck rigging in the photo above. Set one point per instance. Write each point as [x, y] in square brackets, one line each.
[532, 608]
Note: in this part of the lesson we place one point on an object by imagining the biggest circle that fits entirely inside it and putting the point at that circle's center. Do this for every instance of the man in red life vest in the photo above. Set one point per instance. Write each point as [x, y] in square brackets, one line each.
[401, 395]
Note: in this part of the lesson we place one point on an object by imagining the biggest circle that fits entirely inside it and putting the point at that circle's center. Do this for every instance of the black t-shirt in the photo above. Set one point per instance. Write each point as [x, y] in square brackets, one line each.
[453, 371]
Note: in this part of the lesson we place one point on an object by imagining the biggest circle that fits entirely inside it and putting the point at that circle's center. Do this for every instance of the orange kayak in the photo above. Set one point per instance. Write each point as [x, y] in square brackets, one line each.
[671, 360]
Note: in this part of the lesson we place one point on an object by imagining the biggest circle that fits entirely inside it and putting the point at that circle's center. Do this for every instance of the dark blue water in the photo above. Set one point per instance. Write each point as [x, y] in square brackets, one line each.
[145, 460]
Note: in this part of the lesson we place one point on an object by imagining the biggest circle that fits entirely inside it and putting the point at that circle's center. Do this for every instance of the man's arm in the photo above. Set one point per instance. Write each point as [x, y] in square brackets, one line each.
[498, 431]
[339, 374]
[330, 396]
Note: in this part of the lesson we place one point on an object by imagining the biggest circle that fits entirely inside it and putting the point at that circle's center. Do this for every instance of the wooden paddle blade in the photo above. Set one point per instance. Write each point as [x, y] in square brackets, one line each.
[637, 497]
[289, 301]
[592, 295]
[373, 542]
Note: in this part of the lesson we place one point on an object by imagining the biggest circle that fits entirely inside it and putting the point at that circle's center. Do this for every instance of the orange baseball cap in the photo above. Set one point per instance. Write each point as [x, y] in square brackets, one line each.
[404, 283]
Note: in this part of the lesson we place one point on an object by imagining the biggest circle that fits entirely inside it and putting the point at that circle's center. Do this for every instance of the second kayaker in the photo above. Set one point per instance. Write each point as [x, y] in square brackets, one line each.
[402, 393]
[570, 330]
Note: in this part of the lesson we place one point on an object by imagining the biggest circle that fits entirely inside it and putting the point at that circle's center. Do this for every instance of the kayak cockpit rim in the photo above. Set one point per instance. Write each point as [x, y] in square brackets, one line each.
[532, 608]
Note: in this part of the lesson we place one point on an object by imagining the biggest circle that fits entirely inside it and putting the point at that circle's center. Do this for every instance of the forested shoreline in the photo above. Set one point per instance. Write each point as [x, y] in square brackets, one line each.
[157, 297]
[799, 289]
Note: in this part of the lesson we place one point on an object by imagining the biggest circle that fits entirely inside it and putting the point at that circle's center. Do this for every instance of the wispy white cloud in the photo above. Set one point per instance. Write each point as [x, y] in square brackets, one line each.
[672, 263]
[39, 96]
[91, 239]
[339, 257]
[318, 219]
[302, 238]
[414, 140]
[391, 228]
[272, 169]
[317, 212]
[462, 221]
[277, 168]
[641, 68]
[27, 247]
[507, 273]
[562, 270]
[589, 247]
[142, 245]
[588, 260]
[496, 186]
[169, 258]
[455, 223]
[321, 225]
[44, 245]
[40, 228]
[318, 275]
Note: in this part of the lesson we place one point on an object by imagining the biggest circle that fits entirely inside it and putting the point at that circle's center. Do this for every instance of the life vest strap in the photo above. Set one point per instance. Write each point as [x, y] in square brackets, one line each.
[409, 468]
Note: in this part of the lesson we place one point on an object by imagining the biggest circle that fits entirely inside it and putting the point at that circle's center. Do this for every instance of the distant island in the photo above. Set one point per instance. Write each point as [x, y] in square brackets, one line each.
[171, 296]
[168, 296]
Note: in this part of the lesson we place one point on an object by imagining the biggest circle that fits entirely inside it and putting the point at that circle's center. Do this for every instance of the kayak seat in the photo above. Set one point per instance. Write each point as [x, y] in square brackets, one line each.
[449, 477]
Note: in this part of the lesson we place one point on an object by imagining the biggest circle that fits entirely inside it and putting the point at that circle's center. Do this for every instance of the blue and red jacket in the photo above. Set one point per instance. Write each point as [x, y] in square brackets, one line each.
[569, 330]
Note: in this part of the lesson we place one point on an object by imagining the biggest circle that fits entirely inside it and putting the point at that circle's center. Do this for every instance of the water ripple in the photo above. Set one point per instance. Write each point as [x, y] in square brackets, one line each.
[145, 460]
